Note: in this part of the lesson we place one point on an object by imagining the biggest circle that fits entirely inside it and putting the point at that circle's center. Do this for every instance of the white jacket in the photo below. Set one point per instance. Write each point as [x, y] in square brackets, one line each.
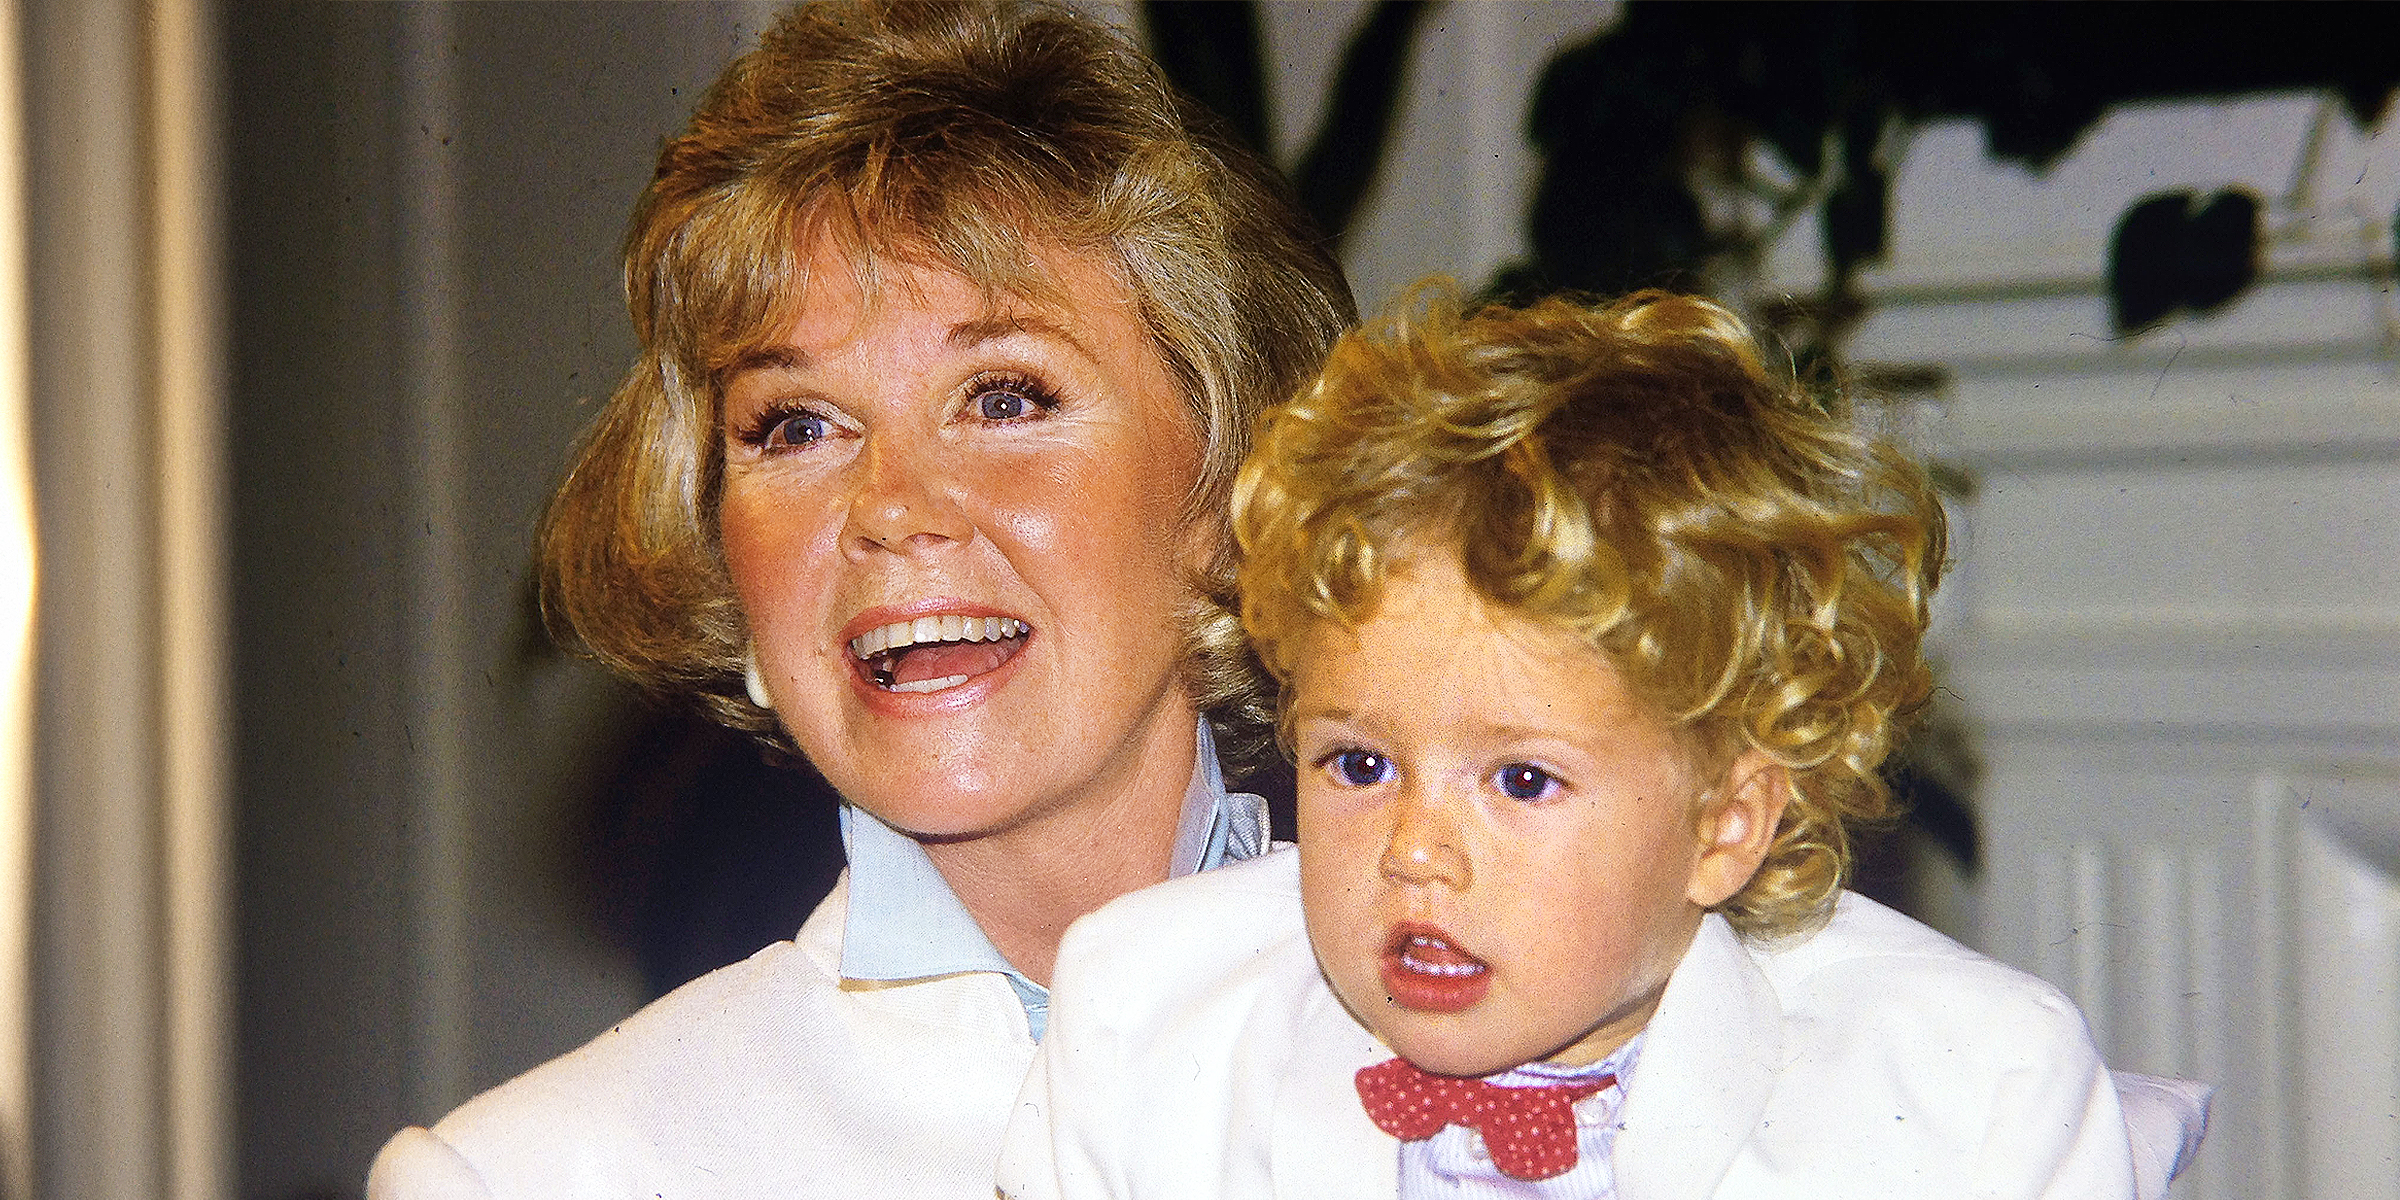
[767, 1078]
[1195, 1051]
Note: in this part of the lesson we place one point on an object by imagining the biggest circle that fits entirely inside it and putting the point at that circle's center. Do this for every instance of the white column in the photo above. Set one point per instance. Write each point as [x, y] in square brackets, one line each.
[16, 641]
[129, 948]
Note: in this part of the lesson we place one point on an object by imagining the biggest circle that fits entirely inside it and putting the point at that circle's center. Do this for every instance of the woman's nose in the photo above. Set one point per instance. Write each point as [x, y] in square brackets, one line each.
[1424, 845]
[903, 501]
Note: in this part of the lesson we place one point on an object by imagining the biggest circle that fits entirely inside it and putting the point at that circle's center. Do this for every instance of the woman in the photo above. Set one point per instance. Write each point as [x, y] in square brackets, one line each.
[953, 321]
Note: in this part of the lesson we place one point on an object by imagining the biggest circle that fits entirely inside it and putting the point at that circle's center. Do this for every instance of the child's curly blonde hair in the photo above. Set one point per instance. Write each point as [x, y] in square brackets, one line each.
[1755, 565]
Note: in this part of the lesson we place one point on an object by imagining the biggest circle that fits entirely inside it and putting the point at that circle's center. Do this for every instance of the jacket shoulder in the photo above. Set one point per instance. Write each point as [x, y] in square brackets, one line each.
[1219, 938]
[600, 1096]
[1936, 1069]
[1869, 959]
[1229, 913]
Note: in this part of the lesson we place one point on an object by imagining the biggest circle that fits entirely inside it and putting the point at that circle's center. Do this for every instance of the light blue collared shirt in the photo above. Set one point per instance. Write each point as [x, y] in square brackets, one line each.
[906, 923]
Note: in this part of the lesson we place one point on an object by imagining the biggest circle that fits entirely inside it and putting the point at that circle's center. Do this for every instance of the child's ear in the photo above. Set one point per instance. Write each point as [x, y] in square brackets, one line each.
[1739, 829]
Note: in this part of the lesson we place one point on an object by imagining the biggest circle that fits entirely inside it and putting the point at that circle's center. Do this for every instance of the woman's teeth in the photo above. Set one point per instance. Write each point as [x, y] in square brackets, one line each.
[932, 654]
[899, 635]
[1432, 956]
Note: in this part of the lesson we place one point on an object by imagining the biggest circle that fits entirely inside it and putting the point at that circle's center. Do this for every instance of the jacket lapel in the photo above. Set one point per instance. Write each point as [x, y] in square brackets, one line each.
[1707, 1069]
[1321, 1144]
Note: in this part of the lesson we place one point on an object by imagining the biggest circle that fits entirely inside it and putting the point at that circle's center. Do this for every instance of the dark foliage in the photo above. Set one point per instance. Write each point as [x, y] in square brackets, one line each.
[2172, 252]
[1626, 120]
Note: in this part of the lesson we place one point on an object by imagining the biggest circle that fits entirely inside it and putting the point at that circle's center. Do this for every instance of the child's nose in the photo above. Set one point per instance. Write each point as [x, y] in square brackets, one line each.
[1424, 845]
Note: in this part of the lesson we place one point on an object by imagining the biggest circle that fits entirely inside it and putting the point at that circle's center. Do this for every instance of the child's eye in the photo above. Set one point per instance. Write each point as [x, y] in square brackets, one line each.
[1358, 768]
[1524, 781]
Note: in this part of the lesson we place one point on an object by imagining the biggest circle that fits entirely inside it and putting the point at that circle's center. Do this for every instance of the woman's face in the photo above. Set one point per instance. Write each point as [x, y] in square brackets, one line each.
[954, 526]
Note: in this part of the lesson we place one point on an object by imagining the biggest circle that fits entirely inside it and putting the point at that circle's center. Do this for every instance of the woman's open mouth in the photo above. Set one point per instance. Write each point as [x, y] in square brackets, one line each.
[1424, 970]
[934, 653]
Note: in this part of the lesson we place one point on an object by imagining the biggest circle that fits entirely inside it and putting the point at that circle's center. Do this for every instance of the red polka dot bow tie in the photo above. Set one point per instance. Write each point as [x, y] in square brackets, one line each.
[1530, 1131]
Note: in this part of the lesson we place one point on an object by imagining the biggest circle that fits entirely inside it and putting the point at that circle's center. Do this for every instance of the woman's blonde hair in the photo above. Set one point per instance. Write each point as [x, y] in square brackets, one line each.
[946, 135]
[1755, 565]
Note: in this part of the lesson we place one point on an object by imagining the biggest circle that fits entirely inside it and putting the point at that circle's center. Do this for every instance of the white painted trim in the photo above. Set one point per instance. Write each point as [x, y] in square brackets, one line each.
[2091, 636]
[2163, 676]
[2113, 419]
[2345, 246]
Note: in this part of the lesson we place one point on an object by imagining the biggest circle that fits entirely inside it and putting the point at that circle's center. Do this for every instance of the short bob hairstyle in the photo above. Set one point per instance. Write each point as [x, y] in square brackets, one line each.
[944, 135]
[1756, 566]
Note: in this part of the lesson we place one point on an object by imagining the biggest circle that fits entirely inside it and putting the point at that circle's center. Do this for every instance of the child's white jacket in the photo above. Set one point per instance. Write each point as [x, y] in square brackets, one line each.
[1195, 1051]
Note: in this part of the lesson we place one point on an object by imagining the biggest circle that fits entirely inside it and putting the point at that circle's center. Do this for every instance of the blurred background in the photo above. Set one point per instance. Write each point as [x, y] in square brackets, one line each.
[306, 832]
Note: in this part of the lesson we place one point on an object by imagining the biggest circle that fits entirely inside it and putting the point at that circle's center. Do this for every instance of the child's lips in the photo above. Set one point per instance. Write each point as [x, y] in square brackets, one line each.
[1424, 969]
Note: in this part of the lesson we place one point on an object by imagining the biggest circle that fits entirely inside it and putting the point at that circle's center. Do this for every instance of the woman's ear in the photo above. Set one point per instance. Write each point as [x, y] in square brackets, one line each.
[1739, 828]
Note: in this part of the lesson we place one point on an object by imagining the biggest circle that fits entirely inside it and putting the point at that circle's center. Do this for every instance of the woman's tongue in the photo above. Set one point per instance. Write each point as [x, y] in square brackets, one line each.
[957, 661]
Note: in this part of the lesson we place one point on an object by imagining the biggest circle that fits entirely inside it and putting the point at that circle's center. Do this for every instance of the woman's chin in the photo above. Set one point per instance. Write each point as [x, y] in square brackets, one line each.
[958, 815]
[940, 780]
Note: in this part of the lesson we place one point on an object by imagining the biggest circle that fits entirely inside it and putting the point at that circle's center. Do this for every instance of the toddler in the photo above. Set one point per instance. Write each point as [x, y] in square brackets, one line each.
[1593, 637]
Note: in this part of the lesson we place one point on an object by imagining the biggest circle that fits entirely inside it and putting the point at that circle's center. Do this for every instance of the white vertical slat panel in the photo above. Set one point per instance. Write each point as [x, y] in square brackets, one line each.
[2346, 1006]
[2259, 1103]
[2093, 948]
[2210, 983]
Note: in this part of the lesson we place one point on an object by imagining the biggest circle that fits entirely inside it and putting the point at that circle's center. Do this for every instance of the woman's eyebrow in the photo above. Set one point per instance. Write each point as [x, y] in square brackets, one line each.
[766, 358]
[991, 327]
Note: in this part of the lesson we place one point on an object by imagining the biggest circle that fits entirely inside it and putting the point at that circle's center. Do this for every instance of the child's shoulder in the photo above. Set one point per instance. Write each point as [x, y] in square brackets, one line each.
[1261, 894]
[1880, 1049]
[1872, 968]
[1263, 886]
[1866, 941]
[1190, 933]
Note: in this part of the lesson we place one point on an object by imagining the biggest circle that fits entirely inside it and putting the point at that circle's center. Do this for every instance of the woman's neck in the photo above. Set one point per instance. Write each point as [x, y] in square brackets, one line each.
[1025, 884]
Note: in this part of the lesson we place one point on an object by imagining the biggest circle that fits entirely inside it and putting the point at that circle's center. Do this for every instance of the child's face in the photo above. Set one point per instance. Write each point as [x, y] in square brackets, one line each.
[1498, 848]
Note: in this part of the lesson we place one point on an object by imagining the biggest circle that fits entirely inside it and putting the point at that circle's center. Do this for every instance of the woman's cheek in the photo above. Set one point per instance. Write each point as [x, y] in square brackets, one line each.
[779, 541]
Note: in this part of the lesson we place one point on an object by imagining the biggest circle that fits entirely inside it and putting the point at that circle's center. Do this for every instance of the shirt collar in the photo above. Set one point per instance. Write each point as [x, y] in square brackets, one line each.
[905, 922]
[1618, 1062]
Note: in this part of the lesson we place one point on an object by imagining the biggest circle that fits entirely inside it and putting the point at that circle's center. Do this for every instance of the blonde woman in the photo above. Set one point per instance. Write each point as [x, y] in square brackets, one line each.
[953, 323]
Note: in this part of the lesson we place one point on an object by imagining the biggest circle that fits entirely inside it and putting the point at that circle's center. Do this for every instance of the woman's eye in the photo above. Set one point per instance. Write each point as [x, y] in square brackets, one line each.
[1001, 406]
[1009, 398]
[1359, 768]
[1524, 781]
[799, 429]
[787, 429]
